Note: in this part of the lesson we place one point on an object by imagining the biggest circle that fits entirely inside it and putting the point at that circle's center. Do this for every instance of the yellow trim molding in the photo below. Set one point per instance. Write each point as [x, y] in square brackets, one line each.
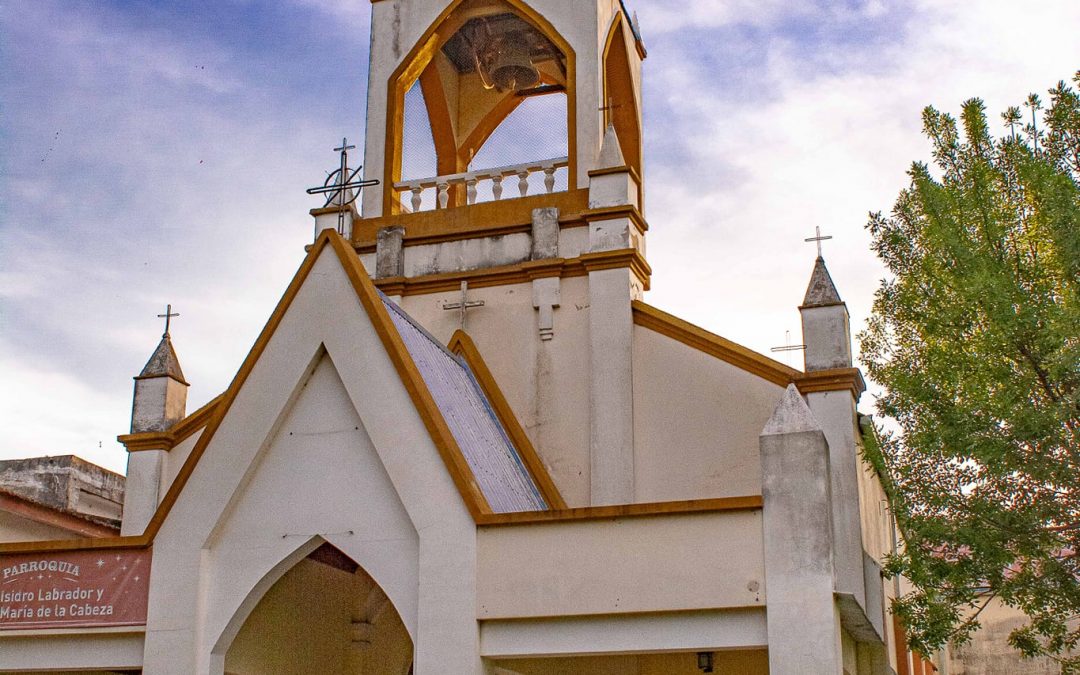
[519, 273]
[839, 379]
[167, 440]
[485, 219]
[719, 504]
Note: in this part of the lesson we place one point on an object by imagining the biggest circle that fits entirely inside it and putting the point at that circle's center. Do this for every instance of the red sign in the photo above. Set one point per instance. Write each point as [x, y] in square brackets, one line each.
[74, 589]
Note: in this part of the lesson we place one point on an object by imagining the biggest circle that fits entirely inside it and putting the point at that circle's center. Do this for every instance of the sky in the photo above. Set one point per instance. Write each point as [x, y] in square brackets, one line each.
[157, 152]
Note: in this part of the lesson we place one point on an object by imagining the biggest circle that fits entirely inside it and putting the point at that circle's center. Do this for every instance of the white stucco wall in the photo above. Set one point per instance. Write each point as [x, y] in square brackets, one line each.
[677, 562]
[696, 422]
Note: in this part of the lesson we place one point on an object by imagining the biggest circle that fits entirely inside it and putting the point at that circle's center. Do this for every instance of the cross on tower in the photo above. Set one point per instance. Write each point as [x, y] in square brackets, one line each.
[169, 314]
[818, 239]
[609, 107]
[463, 305]
[340, 182]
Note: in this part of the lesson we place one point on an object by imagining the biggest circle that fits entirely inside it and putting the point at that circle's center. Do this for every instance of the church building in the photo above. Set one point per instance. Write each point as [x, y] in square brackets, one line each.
[464, 443]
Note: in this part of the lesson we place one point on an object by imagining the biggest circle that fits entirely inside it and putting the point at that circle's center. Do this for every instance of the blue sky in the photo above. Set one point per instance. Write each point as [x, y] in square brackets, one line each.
[158, 151]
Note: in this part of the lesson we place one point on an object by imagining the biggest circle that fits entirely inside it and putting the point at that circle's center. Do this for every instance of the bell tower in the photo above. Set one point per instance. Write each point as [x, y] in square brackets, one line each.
[469, 66]
[505, 136]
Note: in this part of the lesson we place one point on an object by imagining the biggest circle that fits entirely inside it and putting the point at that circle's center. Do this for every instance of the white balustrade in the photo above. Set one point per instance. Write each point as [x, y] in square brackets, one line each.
[443, 184]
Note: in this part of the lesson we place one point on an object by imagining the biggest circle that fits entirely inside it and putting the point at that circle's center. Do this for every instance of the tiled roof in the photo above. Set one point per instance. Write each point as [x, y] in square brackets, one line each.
[496, 464]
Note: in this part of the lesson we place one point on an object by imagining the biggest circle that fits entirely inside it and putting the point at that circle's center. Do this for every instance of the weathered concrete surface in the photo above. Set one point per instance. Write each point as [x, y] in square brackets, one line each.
[389, 254]
[68, 484]
[144, 473]
[545, 233]
[989, 652]
[159, 402]
[821, 290]
[804, 623]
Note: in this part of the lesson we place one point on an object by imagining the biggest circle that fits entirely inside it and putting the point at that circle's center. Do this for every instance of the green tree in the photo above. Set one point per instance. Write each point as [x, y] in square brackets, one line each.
[975, 337]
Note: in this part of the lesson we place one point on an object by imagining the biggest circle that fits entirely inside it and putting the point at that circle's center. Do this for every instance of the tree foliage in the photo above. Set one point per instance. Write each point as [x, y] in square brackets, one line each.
[976, 339]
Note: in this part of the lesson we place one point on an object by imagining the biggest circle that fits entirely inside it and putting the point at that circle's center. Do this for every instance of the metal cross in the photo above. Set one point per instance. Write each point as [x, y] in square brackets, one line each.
[169, 314]
[463, 305]
[610, 106]
[818, 238]
[788, 347]
[340, 182]
[606, 109]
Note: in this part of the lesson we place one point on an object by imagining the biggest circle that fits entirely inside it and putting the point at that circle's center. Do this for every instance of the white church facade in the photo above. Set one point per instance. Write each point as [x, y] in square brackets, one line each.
[464, 443]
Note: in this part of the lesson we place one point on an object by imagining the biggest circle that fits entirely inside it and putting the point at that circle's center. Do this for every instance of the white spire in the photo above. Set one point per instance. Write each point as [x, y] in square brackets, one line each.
[611, 154]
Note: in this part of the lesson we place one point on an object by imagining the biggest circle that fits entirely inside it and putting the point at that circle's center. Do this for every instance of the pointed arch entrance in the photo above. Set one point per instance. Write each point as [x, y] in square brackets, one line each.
[318, 611]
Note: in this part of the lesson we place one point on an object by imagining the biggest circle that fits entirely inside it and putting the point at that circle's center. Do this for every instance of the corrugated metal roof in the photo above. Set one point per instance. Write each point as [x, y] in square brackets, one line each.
[496, 464]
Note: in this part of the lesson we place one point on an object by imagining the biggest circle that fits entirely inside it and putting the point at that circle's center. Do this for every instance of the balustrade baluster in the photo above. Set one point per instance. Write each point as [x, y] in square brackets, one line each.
[549, 178]
[443, 193]
[471, 190]
[523, 182]
[417, 196]
[496, 186]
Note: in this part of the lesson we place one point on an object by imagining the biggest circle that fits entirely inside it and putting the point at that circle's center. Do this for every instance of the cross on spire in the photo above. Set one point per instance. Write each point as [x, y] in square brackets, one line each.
[340, 182]
[464, 304]
[817, 238]
[169, 314]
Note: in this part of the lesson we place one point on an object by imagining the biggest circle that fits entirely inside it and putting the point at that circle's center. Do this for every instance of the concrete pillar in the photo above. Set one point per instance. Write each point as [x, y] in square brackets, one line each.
[545, 234]
[827, 336]
[142, 490]
[803, 620]
[611, 326]
[327, 219]
[160, 401]
[611, 394]
[390, 252]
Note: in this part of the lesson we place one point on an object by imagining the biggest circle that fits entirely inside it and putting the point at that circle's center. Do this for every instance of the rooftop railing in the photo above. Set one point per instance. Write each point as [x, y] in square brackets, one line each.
[472, 180]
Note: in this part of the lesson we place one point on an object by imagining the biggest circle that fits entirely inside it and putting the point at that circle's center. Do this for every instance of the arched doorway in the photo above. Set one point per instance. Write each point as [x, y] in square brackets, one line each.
[324, 615]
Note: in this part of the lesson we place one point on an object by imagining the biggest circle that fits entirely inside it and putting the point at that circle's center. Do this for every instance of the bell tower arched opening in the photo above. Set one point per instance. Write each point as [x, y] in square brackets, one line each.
[622, 107]
[478, 64]
[327, 615]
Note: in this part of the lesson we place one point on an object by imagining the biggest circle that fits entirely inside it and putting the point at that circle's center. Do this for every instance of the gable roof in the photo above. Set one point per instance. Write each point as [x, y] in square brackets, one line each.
[492, 458]
[490, 454]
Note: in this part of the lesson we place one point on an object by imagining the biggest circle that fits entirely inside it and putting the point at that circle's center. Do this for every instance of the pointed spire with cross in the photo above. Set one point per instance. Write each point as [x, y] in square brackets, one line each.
[818, 238]
[168, 315]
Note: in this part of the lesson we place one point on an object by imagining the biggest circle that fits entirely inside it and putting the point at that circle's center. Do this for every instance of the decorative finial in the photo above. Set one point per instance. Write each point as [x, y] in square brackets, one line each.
[168, 315]
[339, 185]
[818, 239]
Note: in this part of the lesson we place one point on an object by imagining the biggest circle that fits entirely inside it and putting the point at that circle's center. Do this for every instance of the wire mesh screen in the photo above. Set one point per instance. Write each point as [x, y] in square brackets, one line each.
[535, 130]
[417, 143]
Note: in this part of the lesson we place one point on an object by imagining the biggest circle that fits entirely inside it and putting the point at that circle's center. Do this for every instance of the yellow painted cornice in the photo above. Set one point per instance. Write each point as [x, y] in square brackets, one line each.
[519, 273]
[167, 440]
